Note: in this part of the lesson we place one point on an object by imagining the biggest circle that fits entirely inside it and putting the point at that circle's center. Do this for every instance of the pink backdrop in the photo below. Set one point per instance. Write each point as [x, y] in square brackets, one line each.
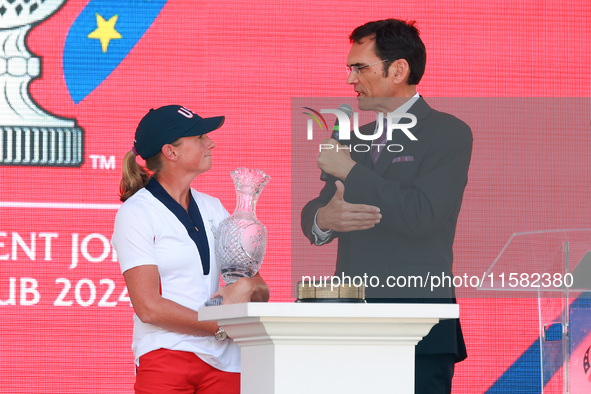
[66, 322]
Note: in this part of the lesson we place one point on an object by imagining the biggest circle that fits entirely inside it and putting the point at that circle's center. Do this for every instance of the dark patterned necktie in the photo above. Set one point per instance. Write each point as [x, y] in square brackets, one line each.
[379, 145]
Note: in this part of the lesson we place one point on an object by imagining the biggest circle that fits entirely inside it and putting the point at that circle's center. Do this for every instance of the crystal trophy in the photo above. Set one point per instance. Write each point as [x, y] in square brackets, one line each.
[240, 239]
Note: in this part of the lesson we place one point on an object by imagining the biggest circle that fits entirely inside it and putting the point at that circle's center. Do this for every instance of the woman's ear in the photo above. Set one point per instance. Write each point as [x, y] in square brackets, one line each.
[169, 151]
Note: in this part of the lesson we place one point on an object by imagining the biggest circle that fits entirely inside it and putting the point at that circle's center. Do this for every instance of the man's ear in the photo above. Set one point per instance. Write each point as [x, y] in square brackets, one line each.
[400, 71]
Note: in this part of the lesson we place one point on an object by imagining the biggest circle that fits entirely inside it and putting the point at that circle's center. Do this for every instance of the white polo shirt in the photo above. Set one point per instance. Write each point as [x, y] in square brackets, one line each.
[148, 233]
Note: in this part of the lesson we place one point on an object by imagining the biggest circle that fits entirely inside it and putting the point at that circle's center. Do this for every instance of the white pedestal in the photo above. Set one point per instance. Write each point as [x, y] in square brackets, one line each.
[327, 347]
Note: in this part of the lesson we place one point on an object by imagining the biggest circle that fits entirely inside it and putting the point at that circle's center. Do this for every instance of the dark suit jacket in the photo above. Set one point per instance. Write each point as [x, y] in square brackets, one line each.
[419, 192]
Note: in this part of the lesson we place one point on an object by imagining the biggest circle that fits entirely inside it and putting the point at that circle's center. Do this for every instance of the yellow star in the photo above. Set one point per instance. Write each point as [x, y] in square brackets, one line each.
[105, 31]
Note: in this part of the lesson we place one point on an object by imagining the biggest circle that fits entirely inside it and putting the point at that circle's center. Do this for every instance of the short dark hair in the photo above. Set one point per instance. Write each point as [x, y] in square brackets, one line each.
[395, 39]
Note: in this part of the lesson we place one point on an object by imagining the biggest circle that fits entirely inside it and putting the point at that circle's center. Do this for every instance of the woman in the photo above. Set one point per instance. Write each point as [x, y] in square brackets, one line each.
[164, 241]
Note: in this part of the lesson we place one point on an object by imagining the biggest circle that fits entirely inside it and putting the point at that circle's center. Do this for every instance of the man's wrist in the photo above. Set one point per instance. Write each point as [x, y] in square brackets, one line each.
[320, 236]
[346, 170]
[319, 224]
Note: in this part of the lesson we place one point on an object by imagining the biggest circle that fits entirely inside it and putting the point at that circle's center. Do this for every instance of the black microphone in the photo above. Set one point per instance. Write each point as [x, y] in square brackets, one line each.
[348, 110]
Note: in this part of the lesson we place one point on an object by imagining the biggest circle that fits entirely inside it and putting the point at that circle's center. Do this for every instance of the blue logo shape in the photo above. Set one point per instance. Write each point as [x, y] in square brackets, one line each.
[101, 37]
[525, 374]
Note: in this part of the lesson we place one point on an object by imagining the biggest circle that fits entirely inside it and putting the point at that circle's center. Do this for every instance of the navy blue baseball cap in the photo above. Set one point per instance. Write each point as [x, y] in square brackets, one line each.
[166, 124]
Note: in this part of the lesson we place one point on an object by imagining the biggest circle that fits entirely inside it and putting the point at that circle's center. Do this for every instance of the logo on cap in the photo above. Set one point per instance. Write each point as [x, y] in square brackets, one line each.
[185, 112]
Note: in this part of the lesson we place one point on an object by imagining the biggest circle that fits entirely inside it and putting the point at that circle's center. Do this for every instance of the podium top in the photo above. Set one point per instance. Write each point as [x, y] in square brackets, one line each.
[329, 310]
[548, 261]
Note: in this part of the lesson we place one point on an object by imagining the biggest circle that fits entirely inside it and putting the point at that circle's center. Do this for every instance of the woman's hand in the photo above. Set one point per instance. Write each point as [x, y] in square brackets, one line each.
[253, 289]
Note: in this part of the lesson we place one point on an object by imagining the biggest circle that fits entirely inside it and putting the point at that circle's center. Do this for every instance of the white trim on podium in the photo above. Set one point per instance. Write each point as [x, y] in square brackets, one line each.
[327, 347]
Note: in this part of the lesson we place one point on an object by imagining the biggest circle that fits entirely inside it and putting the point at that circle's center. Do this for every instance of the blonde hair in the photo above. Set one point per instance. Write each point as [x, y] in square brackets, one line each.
[134, 177]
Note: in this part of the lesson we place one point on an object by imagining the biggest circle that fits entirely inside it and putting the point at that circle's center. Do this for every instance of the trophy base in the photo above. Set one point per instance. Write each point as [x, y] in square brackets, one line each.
[214, 301]
[232, 274]
[324, 292]
[41, 146]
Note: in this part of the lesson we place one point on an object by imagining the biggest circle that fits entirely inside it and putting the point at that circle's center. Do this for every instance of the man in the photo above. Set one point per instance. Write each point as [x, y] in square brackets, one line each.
[397, 217]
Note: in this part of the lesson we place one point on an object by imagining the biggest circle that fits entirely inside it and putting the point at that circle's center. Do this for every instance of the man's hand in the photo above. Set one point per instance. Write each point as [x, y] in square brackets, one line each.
[339, 215]
[335, 161]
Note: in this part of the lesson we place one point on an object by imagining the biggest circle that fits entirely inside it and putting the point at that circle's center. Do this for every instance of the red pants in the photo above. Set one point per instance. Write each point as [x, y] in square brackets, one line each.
[166, 371]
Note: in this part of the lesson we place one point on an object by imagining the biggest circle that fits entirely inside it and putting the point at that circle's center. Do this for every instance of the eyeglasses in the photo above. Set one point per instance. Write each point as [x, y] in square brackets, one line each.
[357, 70]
